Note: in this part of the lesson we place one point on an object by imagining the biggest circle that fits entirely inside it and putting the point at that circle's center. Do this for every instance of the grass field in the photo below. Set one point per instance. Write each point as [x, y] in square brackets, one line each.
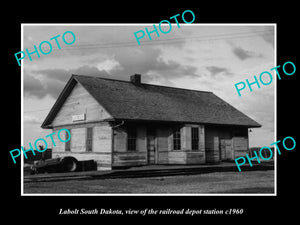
[218, 182]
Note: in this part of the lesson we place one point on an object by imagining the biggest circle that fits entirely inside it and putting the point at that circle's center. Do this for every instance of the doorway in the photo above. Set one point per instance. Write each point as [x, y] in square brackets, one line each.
[151, 146]
[226, 148]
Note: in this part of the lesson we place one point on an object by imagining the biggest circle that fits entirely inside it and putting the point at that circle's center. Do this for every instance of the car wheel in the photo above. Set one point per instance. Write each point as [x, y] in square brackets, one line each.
[69, 164]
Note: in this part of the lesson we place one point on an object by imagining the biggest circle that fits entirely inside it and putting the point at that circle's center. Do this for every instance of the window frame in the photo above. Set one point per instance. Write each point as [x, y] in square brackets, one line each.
[195, 138]
[68, 143]
[131, 140]
[177, 139]
[89, 139]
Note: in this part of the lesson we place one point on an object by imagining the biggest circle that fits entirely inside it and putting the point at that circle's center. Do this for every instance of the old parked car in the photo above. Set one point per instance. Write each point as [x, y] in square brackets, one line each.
[64, 164]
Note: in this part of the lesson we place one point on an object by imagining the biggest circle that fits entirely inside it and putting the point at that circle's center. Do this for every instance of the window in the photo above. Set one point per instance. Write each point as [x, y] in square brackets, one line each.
[195, 138]
[89, 139]
[131, 140]
[68, 143]
[176, 140]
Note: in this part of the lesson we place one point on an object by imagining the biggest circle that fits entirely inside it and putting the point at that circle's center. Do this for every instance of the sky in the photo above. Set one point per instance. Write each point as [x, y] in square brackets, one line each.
[205, 57]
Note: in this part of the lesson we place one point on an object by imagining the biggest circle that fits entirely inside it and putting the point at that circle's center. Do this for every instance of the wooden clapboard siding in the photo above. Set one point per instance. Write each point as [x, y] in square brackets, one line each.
[122, 157]
[240, 146]
[95, 100]
[101, 151]
[78, 140]
[151, 157]
[163, 157]
[212, 156]
[102, 138]
[58, 146]
[120, 140]
[225, 143]
[79, 102]
[186, 157]
[119, 156]
[129, 158]
[177, 157]
[240, 143]
[210, 140]
[195, 157]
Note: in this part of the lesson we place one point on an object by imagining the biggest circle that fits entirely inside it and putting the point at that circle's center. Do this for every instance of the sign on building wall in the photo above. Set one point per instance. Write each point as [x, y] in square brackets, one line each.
[79, 117]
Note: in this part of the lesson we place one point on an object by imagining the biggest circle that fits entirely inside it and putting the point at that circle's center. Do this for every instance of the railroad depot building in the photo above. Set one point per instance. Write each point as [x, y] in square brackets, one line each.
[129, 123]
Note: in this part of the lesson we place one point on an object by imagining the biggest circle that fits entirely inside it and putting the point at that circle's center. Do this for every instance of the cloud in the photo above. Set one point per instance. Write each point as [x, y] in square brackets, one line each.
[269, 38]
[32, 119]
[52, 81]
[40, 89]
[267, 34]
[100, 51]
[149, 60]
[214, 70]
[108, 64]
[33, 87]
[241, 53]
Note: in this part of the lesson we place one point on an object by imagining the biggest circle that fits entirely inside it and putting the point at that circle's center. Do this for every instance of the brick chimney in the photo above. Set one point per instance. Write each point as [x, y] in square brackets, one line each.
[135, 79]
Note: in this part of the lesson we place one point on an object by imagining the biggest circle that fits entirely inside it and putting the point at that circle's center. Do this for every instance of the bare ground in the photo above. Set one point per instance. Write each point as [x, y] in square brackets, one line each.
[218, 182]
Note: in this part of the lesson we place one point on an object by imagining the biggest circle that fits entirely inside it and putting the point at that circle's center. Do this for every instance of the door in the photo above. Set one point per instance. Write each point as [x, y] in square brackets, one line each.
[222, 149]
[226, 149]
[212, 148]
[151, 147]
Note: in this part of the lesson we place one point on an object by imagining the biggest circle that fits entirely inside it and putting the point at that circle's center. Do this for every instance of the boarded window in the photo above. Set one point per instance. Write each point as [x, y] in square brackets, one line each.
[68, 143]
[176, 139]
[195, 138]
[131, 139]
[89, 139]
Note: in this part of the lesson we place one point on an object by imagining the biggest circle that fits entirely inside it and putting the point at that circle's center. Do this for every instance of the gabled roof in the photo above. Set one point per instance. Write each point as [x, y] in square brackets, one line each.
[125, 100]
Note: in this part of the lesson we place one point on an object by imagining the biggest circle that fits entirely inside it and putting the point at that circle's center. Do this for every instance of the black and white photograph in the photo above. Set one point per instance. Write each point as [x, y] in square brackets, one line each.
[144, 111]
[159, 117]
